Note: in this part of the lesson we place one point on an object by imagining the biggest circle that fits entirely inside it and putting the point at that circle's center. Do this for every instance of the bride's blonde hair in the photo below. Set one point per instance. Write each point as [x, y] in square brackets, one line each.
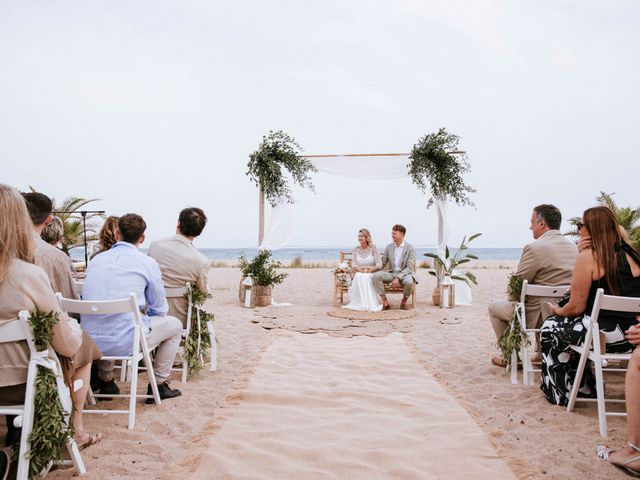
[16, 230]
[367, 236]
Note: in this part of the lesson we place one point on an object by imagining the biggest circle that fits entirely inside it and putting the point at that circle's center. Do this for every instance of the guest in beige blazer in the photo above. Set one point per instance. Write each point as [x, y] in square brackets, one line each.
[24, 286]
[549, 260]
[52, 260]
[179, 260]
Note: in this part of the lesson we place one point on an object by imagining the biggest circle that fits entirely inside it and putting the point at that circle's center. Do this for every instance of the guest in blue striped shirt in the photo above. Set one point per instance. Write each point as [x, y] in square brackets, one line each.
[115, 274]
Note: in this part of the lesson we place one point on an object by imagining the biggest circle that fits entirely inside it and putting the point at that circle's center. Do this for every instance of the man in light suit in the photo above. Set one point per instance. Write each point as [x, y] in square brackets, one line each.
[549, 260]
[179, 260]
[401, 257]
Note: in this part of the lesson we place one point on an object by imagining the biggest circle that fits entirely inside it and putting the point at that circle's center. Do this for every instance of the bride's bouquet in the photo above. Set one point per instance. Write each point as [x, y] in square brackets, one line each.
[343, 274]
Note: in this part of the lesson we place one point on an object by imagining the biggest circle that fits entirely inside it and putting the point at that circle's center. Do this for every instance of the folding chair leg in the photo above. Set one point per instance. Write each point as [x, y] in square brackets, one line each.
[514, 367]
[76, 459]
[213, 352]
[151, 375]
[602, 414]
[123, 371]
[577, 379]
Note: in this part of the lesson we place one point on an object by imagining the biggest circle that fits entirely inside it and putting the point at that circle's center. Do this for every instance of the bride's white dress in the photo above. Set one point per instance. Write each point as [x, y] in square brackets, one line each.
[362, 294]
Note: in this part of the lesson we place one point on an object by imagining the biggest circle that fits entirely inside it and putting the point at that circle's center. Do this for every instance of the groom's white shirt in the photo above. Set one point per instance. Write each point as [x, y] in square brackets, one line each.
[397, 256]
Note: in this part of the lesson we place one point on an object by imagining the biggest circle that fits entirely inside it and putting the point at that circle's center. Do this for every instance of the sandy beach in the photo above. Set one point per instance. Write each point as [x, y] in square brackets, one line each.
[536, 439]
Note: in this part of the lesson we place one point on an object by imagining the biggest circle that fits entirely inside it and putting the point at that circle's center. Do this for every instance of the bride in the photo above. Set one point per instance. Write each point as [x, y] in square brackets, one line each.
[366, 260]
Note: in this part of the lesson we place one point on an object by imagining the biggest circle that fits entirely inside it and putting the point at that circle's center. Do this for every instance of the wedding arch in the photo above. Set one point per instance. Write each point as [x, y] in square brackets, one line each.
[435, 165]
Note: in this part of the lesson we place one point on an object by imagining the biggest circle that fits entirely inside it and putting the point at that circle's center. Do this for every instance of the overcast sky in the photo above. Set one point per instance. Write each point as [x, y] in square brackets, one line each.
[152, 106]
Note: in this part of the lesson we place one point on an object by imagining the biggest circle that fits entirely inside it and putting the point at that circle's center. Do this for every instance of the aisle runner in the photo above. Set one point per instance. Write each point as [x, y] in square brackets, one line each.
[320, 407]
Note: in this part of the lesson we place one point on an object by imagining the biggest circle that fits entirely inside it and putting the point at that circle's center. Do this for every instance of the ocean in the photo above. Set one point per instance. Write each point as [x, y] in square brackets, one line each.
[332, 254]
[310, 254]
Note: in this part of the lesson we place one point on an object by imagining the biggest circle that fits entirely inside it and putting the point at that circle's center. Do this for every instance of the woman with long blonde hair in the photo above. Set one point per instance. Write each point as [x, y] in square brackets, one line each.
[25, 286]
[365, 260]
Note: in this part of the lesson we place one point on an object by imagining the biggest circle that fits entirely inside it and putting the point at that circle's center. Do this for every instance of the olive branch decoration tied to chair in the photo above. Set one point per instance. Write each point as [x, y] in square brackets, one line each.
[44, 417]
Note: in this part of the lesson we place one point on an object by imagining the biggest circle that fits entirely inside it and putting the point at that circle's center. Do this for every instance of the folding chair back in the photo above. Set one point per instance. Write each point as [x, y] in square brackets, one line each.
[77, 284]
[592, 350]
[140, 349]
[529, 290]
[20, 330]
[180, 292]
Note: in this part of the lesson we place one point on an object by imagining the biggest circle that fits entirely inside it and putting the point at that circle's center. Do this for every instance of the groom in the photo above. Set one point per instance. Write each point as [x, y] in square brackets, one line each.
[401, 257]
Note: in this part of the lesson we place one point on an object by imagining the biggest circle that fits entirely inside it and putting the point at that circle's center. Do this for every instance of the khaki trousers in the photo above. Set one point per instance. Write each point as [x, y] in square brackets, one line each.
[165, 334]
[382, 277]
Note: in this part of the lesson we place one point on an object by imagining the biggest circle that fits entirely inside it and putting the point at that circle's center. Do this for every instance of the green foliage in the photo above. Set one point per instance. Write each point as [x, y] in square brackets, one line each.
[514, 287]
[437, 167]
[628, 218]
[50, 430]
[445, 266]
[261, 269]
[265, 168]
[72, 222]
[513, 338]
[194, 356]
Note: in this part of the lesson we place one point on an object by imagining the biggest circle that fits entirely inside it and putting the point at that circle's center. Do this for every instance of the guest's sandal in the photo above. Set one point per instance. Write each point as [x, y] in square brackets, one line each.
[603, 454]
[86, 440]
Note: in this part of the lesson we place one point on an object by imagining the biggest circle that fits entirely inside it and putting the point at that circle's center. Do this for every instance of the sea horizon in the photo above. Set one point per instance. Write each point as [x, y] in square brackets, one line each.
[325, 254]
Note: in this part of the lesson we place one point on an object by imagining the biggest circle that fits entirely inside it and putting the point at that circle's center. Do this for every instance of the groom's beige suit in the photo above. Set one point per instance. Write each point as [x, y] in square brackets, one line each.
[400, 266]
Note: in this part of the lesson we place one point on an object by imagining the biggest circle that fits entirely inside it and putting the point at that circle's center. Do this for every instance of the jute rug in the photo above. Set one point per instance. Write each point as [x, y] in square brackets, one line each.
[321, 407]
[393, 314]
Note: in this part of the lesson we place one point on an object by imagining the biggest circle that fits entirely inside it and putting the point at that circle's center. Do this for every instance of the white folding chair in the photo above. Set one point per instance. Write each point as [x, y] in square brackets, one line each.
[592, 350]
[78, 284]
[180, 292]
[20, 330]
[140, 350]
[529, 290]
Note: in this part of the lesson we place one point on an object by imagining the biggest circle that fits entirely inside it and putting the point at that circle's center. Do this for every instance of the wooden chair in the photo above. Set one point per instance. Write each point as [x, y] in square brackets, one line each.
[17, 331]
[529, 290]
[592, 349]
[340, 288]
[180, 292]
[140, 350]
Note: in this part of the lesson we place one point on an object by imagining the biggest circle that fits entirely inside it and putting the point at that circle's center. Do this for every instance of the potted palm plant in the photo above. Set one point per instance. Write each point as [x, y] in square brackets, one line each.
[263, 274]
[445, 266]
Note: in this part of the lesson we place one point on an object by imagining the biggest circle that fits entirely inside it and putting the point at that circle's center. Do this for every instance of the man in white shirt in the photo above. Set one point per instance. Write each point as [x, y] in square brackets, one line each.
[179, 260]
[401, 257]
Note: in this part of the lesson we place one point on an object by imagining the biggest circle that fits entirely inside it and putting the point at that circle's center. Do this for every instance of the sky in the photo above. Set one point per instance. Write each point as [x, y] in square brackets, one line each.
[152, 106]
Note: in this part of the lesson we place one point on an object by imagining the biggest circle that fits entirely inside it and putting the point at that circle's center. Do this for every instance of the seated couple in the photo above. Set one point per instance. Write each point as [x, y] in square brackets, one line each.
[369, 277]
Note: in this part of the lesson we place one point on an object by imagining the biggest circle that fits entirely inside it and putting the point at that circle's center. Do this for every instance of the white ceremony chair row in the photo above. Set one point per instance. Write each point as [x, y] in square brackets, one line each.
[592, 349]
[180, 292]
[20, 330]
[529, 290]
[140, 349]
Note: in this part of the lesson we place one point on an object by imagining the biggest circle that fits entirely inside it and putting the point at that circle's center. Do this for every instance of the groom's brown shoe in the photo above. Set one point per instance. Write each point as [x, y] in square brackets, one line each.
[386, 307]
[403, 304]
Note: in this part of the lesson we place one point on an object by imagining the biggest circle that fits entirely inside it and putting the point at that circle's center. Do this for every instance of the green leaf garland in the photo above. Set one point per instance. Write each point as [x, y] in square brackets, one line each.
[193, 356]
[50, 427]
[514, 337]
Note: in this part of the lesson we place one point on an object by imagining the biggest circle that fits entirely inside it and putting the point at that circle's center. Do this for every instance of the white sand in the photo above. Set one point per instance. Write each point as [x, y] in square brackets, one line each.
[456, 345]
[358, 408]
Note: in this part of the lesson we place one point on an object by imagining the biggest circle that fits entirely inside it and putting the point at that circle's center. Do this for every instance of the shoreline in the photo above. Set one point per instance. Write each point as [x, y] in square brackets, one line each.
[333, 263]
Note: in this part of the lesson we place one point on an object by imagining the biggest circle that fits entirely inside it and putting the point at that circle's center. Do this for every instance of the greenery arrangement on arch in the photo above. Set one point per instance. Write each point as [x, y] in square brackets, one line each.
[437, 166]
[278, 152]
[628, 218]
